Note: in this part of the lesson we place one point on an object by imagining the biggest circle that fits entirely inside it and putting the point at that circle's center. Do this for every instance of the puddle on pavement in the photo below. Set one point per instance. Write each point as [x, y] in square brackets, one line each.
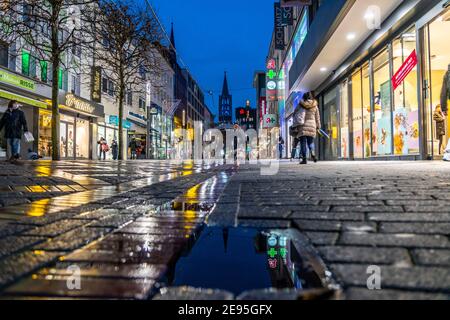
[243, 259]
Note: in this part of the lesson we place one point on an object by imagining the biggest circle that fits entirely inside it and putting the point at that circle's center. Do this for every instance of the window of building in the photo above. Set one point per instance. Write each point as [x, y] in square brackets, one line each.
[382, 111]
[4, 54]
[75, 84]
[25, 63]
[129, 98]
[104, 85]
[406, 106]
[141, 103]
[44, 70]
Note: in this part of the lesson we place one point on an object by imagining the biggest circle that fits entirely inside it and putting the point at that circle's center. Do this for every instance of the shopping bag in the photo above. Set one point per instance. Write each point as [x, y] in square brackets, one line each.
[447, 152]
[28, 137]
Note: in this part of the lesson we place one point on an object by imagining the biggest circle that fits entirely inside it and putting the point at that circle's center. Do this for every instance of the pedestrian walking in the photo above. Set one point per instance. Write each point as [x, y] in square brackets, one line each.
[307, 131]
[115, 149]
[280, 146]
[103, 148]
[15, 125]
[133, 147]
[439, 118]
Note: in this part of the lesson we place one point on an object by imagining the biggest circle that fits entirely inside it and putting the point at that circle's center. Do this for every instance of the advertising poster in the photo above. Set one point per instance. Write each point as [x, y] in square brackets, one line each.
[413, 141]
[384, 136]
[358, 144]
[400, 132]
[344, 142]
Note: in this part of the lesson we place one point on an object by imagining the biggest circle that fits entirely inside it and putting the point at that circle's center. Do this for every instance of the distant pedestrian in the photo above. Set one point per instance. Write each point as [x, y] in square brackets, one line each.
[15, 125]
[439, 118]
[280, 147]
[115, 149]
[307, 131]
[103, 148]
[133, 147]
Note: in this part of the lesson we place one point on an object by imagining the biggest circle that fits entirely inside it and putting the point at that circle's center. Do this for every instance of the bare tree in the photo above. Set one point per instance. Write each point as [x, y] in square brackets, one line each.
[49, 28]
[127, 47]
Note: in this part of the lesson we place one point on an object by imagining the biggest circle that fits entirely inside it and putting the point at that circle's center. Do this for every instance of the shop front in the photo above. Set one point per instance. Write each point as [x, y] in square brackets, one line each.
[161, 126]
[31, 95]
[386, 106]
[109, 130]
[138, 134]
[76, 122]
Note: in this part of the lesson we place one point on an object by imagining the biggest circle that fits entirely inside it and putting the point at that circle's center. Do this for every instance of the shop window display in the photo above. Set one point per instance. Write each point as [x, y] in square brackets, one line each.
[45, 134]
[369, 138]
[330, 123]
[82, 142]
[382, 111]
[357, 110]
[344, 121]
[437, 81]
[406, 106]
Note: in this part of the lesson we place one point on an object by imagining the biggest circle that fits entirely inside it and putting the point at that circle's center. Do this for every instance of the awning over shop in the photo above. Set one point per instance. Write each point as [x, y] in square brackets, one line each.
[22, 99]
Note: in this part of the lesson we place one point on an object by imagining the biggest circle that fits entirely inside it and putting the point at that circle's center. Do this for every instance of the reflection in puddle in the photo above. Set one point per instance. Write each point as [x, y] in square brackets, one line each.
[241, 259]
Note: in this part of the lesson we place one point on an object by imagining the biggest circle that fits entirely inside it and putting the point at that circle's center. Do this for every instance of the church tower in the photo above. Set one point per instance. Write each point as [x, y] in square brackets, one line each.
[225, 103]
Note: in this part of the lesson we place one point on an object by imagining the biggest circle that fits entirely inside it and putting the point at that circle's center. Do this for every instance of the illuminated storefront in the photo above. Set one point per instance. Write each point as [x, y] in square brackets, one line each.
[77, 117]
[380, 102]
[161, 133]
[31, 95]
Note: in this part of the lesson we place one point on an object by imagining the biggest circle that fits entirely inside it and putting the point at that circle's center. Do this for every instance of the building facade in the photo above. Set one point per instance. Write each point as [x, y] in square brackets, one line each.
[88, 103]
[379, 73]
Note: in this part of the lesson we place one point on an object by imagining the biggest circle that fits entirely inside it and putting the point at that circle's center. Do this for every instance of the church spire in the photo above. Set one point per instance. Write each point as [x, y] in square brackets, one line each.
[225, 91]
[172, 38]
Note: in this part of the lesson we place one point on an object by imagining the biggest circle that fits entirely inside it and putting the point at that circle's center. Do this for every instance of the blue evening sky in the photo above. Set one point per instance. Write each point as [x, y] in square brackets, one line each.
[214, 36]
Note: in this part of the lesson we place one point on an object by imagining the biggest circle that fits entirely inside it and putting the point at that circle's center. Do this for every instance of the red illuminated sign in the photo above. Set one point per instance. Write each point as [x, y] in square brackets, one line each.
[404, 70]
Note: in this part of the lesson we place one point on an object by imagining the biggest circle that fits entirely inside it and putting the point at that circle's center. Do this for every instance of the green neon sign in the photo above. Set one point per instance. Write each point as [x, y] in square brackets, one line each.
[17, 81]
[271, 74]
[272, 253]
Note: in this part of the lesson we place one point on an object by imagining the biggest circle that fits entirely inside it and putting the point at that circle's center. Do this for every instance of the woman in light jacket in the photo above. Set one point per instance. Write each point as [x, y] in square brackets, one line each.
[439, 118]
[307, 132]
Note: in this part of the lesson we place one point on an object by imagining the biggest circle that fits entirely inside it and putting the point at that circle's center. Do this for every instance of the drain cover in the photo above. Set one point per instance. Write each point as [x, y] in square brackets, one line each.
[238, 260]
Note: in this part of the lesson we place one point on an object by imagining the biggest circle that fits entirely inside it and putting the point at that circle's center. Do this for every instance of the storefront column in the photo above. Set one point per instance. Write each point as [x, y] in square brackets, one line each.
[94, 139]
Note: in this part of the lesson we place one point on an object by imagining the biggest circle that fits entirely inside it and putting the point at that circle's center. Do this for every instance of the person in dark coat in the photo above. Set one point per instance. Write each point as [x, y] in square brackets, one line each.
[15, 125]
[115, 149]
[439, 118]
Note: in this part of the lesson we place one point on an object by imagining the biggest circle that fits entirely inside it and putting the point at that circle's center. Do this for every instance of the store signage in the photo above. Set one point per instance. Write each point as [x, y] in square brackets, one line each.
[271, 64]
[22, 99]
[96, 84]
[17, 81]
[288, 16]
[78, 104]
[295, 3]
[114, 120]
[409, 64]
[271, 85]
[262, 107]
[279, 27]
[270, 121]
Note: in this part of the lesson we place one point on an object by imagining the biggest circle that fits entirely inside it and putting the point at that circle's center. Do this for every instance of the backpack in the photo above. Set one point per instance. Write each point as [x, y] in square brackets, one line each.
[299, 116]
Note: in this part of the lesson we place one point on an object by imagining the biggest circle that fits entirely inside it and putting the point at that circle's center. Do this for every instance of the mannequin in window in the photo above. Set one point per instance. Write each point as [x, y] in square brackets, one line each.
[445, 92]
[439, 118]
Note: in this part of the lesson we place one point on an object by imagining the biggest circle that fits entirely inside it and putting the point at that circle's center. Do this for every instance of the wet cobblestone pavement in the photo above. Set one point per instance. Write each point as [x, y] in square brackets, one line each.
[395, 215]
[121, 236]
[124, 225]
